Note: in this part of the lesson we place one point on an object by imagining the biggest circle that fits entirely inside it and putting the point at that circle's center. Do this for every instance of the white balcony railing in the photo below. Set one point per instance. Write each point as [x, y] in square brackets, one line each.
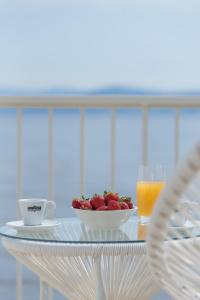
[113, 103]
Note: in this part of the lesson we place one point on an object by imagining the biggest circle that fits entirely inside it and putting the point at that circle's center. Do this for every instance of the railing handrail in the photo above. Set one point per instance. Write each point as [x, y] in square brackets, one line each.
[101, 101]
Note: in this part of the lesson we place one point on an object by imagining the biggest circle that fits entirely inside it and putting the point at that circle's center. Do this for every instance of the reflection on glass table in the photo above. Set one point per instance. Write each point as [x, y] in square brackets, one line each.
[72, 231]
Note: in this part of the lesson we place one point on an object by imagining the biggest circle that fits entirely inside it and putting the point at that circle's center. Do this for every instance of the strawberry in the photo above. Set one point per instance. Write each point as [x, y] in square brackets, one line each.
[124, 205]
[130, 205]
[76, 203]
[127, 200]
[103, 207]
[97, 201]
[86, 205]
[113, 205]
[109, 196]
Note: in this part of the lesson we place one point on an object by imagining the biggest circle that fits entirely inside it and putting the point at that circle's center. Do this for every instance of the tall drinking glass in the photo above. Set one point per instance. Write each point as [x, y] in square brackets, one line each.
[151, 181]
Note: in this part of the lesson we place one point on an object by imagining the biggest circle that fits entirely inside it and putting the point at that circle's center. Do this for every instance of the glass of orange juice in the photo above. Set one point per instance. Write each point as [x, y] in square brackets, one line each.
[151, 181]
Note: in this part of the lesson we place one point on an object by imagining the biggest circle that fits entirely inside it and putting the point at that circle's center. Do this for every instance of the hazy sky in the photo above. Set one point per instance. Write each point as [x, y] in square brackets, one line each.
[77, 43]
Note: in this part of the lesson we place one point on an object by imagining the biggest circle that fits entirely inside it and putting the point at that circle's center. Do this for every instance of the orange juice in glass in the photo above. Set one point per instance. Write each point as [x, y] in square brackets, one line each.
[149, 185]
[142, 231]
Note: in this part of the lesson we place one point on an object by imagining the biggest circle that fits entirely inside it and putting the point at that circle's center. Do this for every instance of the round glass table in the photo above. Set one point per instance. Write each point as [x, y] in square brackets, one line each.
[86, 264]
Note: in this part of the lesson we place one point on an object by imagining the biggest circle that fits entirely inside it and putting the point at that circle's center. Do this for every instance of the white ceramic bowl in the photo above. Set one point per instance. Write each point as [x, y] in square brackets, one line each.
[109, 219]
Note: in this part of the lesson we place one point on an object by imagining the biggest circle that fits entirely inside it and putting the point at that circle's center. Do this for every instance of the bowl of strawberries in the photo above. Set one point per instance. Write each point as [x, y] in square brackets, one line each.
[107, 211]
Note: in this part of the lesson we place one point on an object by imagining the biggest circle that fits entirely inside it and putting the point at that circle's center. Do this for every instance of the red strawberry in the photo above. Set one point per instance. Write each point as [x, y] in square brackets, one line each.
[130, 205]
[109, 196]
[76, 203]
[86, 205]
[103, 207]
[113, 205]
[127, 200]
[97, 201]
[124, 205]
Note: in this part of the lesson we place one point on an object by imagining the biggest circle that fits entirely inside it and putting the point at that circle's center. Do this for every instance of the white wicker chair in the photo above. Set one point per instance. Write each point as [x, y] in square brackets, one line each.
[174, 244]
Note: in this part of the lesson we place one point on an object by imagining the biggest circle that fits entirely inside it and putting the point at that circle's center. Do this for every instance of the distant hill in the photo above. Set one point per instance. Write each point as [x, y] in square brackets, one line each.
[107, 90]
[121, 90]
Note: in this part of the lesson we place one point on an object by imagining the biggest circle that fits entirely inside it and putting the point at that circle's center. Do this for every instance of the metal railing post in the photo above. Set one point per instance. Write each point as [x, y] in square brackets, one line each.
[145, 136]
[82, 150]
[113, 148]
[19, 189]
[177, 135]
[50, 179]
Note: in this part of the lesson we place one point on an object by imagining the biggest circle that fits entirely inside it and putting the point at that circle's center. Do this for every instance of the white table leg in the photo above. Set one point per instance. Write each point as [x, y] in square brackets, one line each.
[44, 290]
[50, 293]
[19, 278]
[100, 292]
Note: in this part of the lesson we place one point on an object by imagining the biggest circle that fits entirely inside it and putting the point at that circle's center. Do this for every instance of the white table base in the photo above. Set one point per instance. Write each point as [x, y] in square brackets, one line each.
[88, 272]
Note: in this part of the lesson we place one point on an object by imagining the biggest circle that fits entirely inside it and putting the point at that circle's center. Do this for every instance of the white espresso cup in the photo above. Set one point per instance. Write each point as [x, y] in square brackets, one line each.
[35, 210]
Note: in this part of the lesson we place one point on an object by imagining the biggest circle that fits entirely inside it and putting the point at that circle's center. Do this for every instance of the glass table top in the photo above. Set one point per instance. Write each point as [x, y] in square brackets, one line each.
[71, 230]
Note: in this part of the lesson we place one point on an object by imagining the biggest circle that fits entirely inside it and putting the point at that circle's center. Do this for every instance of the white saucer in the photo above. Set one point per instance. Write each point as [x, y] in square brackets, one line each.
[186, 225]
[45, 226]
